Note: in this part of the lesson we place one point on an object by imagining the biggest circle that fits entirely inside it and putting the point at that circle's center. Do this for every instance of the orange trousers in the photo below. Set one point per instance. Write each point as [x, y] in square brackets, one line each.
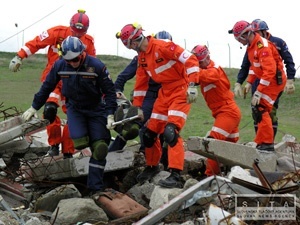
[227, 120]
[173, 109]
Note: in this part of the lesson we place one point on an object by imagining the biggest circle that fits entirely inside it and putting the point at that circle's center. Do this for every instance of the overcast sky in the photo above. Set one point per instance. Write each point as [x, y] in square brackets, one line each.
[190, 22]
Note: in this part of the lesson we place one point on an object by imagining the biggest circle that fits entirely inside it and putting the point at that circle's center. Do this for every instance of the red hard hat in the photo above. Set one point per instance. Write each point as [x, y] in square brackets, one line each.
[201, 52]
[240, 28]
[130, 32]
[79, 22]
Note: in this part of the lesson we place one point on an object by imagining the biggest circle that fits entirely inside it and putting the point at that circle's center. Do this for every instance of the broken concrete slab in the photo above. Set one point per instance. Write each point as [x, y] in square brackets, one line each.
[232, 154]
[192, 161]
[177, 203]
[22, 146]
[216, 215]
[56, 168]
[16, 127]
[50, 200]
[10, 123]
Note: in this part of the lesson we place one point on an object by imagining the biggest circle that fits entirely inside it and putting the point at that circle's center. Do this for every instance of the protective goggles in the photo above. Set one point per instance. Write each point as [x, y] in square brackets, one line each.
[75, 60]
[242, 37]
[137, 28]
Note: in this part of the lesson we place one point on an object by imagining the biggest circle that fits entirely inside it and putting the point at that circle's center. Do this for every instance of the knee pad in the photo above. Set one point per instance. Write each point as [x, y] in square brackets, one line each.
[81, 143]
[50, 111]
[99, 150]
[171, 134]
[273, 115]
[149, 138]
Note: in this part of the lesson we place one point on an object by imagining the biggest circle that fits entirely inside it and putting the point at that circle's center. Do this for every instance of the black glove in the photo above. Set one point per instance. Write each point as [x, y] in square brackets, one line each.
[50, 111]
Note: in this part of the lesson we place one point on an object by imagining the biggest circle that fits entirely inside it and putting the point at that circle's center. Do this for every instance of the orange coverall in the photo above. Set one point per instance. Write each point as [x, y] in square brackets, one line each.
[265, 62]
[215, 88]
[170, 65]
[52, 38]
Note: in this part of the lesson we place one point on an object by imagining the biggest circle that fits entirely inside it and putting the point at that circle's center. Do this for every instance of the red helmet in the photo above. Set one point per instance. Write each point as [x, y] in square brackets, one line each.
[130, 32]
[240, 28]
[79, 23]
[201, 52]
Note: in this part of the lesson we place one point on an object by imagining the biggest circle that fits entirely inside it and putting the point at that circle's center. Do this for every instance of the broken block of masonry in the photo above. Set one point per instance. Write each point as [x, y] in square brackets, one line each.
[16, 127]
[232, 154]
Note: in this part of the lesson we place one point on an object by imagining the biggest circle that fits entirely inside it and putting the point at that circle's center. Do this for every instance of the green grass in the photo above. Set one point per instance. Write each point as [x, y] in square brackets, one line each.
[17, 90]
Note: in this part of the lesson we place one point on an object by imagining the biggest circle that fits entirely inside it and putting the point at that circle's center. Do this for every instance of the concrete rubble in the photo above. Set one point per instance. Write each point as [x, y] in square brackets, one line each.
[38, 189]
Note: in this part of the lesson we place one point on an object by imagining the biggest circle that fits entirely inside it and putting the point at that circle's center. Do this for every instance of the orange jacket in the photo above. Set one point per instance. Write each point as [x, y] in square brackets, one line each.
[215, 86]
[265, 61]
[51, 38]
[166, 63]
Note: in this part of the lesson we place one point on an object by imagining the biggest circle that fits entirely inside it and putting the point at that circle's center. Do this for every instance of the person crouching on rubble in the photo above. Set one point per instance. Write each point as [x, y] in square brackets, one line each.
[170, 65]
[215, 88]
[85, 79]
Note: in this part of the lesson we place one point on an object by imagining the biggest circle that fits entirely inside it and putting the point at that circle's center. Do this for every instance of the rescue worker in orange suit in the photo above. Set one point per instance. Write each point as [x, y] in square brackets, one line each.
[53, 38]
[262, 28]
[170, 65]
[215, 88]
[150, 96]
[267, 66]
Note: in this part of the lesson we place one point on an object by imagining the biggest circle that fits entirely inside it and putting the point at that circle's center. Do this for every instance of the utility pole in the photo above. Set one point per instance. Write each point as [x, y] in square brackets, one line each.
[16, 25]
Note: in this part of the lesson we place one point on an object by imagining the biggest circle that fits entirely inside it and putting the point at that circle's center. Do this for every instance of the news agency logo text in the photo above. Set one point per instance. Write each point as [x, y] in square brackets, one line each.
[265, 207]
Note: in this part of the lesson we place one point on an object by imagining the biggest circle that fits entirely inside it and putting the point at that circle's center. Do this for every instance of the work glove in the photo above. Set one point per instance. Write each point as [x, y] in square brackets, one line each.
[110, 121]
[256, 98]
[15, 64]
[192, 93]
[247, 88]
[29, 113]
[238, 90]
[140, 114]
[289, 87]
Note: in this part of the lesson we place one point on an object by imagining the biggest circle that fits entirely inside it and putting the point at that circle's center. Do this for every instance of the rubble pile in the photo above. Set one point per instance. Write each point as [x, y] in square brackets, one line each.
[39, 189]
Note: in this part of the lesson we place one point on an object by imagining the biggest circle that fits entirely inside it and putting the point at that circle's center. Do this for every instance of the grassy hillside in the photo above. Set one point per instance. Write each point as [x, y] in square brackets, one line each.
[17, 90]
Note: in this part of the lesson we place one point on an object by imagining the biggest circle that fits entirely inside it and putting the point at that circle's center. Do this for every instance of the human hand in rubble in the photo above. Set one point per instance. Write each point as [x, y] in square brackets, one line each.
[192, 93]
[289, 87]
[110, 121]
[29, 113]
[238, 90]
[15, 64]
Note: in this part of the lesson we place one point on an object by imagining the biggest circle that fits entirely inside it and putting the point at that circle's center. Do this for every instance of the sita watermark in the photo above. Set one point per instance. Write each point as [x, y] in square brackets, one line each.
[265, 207]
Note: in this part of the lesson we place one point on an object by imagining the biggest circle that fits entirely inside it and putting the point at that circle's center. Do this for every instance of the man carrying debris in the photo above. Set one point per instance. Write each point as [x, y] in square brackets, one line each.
[85, 80]
[215, 88]
[170, 65]
[52, 38]
[259, 26]
[267, 66]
